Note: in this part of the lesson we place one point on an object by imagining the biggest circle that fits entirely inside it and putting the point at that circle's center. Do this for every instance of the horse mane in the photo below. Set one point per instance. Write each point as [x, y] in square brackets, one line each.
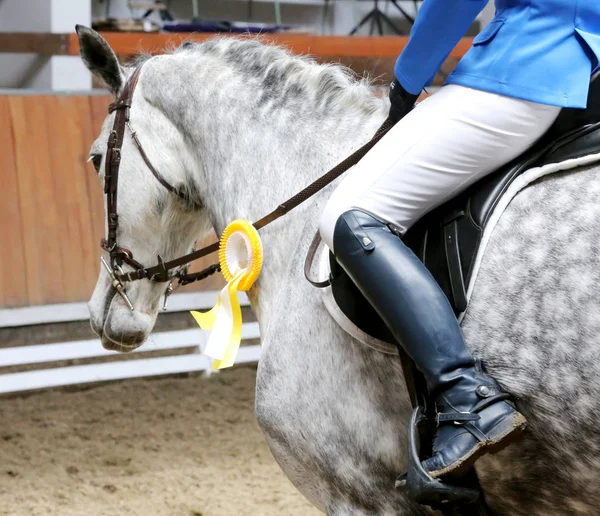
[279, 74]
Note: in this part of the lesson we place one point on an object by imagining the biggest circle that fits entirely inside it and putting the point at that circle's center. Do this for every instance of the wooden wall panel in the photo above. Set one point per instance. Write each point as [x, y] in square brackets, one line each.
[41, 135]
[67, 165]
[13, 279]
[28, 147]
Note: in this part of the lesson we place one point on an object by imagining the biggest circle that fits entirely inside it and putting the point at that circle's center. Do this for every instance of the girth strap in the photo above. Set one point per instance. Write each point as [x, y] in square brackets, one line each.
[453, 262]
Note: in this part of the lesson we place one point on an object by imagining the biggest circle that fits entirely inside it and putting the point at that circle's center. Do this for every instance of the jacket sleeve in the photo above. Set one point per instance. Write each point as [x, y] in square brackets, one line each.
[438, 28]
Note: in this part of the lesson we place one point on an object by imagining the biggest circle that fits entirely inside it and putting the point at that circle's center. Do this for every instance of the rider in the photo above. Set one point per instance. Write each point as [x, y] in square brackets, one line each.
[535, 57]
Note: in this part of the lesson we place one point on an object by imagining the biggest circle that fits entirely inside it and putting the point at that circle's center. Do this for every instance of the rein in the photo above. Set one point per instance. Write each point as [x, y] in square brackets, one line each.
[161, 272]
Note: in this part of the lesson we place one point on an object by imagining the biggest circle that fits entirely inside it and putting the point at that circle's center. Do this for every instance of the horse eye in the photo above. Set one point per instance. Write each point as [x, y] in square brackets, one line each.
[96, 159]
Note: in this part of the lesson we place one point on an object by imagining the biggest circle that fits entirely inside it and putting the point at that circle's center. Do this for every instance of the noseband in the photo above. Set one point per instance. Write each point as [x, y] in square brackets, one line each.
[162, 271]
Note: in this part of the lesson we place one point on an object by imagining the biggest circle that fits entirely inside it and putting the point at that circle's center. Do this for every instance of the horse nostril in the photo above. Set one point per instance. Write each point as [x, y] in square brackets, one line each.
[123, 341]
[127, 344]
[136, 338]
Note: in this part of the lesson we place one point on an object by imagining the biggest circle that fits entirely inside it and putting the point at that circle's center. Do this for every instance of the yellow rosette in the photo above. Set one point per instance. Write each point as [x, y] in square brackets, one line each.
[240, 257]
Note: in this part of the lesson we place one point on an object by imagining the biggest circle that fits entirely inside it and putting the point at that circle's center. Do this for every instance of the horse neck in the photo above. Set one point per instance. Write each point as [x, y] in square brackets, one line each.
[293, 159]
[253, 158]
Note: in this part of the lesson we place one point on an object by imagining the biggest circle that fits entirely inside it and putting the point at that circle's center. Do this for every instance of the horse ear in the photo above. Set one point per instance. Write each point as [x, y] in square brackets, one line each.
[99, 58]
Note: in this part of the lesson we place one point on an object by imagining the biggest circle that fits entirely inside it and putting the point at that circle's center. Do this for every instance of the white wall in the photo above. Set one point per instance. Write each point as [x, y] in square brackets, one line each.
[43, 72]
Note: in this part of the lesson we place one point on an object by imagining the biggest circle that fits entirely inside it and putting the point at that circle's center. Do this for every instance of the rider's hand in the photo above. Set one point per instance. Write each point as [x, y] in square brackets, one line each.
[401, 101]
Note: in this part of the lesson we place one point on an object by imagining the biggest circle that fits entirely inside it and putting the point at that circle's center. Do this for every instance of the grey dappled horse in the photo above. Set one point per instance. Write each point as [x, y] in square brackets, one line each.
[242, 126]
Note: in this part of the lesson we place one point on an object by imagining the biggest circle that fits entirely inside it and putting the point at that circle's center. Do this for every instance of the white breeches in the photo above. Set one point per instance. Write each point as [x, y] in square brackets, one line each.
[449, 141]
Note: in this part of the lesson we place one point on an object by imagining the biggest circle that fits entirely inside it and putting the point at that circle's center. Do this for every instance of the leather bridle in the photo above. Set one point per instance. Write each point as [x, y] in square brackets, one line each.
[162, 271]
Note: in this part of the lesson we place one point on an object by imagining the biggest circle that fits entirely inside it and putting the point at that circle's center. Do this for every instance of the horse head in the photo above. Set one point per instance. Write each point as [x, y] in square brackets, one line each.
[152, 221]
[207, 131]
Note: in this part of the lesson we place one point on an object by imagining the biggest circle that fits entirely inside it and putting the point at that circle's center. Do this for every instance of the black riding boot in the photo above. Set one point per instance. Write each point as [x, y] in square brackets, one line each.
[473, 415]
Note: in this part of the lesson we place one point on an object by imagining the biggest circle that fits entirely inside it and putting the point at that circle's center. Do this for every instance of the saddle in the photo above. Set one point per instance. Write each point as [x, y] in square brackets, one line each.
[447, 239]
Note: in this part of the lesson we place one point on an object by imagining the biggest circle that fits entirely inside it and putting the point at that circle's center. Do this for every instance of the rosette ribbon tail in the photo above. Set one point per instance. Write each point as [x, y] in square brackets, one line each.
[225, 321]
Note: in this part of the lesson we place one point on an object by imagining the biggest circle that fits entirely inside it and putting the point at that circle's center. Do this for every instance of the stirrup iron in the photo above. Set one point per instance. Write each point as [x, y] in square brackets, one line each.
[420, 486]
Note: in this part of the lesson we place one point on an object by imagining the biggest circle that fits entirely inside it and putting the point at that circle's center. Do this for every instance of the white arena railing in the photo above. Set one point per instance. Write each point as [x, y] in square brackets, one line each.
[194, 340]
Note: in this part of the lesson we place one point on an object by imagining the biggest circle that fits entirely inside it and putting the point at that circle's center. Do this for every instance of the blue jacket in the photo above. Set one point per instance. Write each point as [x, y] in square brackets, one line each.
[539, 50]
